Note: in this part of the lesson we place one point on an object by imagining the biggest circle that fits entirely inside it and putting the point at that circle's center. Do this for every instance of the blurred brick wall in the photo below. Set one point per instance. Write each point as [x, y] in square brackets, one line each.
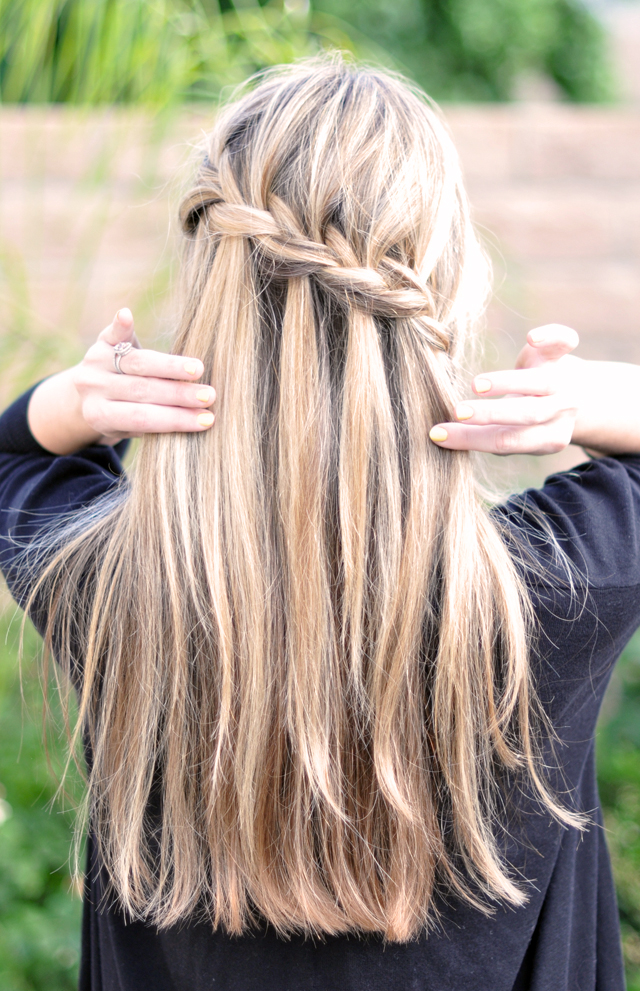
[556, 192]
[87, 202]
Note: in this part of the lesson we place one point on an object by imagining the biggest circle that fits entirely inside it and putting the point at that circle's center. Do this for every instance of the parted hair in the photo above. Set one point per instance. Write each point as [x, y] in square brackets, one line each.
[304, 641]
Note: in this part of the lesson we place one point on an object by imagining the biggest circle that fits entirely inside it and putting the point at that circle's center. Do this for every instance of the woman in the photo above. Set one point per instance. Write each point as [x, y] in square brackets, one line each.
[338, 717]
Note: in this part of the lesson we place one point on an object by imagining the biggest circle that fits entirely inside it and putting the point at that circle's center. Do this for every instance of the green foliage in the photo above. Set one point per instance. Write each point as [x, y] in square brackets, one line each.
[148, 51]
[92, 52]
[478, 49]
[619, 781]
[159, 51]
[39, 915]
[577, 59]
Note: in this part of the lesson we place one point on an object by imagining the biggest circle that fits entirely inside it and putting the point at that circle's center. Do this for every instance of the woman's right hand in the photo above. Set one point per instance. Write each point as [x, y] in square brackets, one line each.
[530, 409]
[93, 404]
[551, 399]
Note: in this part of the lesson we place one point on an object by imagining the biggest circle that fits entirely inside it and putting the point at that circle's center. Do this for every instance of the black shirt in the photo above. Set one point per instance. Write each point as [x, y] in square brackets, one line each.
[567, 935]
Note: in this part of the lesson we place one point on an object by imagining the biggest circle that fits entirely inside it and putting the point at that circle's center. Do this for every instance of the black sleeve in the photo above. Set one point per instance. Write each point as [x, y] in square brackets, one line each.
[593, 512]
[581, 536]
[15, 436]
[38, 489]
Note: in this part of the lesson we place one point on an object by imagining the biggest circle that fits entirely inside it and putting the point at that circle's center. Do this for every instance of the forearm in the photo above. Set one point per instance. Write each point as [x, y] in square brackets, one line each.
[608, 418]
[549, 400]
[91, 404]
[55, 416]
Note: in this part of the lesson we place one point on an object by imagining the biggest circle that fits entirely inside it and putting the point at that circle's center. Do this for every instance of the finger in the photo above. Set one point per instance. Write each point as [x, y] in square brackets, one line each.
[525, 381]
[120, 329]
[539, 439]
[548, 343]
[159, 391]
[133, 419]
[156, 364]
[525, 411]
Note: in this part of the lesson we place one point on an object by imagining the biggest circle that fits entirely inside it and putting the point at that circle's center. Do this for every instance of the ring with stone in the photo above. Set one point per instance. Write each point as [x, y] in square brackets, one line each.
[119, 351]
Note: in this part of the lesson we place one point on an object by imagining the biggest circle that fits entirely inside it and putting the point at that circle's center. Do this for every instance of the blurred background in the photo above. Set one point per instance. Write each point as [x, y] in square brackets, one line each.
[102, 103]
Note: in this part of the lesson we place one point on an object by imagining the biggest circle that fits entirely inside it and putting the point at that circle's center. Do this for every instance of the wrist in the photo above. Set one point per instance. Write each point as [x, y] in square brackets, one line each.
[54, 416]
[608, 420]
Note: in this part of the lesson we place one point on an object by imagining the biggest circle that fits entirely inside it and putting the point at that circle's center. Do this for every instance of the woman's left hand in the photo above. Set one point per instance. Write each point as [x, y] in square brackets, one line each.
[538, 412]
[92, 404]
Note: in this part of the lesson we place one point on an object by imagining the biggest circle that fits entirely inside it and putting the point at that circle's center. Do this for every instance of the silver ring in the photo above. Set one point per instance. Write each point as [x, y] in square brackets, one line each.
[119, 351]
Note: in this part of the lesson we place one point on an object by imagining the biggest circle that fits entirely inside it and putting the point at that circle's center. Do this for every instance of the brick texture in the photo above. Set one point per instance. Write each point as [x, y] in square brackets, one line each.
[88, 201]
[555, 192]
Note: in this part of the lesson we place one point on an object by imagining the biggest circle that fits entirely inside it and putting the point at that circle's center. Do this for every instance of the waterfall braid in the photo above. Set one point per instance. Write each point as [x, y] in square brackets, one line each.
[304, 641]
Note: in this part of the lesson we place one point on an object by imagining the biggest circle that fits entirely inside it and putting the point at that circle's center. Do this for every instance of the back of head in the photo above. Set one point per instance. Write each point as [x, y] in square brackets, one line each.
[304, 633]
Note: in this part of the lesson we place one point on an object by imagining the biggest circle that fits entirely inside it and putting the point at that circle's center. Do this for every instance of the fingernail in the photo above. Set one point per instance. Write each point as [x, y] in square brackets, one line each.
[464, 412]
[438, 434]
[482, 385]
[124, 315]
[536, 338]
[191, 367]
[204, 395]
[205, 419]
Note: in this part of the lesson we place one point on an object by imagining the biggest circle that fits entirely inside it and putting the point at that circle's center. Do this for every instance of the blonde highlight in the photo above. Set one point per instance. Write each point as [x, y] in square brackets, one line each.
[305, 643]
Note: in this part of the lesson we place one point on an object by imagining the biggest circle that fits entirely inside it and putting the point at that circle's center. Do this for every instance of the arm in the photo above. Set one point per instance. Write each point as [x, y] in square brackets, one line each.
[38, 492]
[551, 399]
[608, 419]
[92, 404]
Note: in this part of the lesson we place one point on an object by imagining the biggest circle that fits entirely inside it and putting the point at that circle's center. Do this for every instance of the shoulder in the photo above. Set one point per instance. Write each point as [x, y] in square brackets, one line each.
[39, 490]
[589, 516]
[33, 478]
[577, 542]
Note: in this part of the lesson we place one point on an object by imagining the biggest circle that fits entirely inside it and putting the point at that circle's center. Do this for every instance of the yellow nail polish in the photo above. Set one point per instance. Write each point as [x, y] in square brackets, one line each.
[464, 412]
[438, 434]
[204, 395]
[205, 419]
[191, 367]
[483, 385]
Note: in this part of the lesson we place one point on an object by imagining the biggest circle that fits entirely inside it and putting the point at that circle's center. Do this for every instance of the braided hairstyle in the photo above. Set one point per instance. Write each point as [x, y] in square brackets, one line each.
[306, 665]
[393, 289]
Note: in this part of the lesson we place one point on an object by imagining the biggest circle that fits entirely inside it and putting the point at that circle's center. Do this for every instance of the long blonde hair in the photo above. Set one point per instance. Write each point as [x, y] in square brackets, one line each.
[304, 642]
